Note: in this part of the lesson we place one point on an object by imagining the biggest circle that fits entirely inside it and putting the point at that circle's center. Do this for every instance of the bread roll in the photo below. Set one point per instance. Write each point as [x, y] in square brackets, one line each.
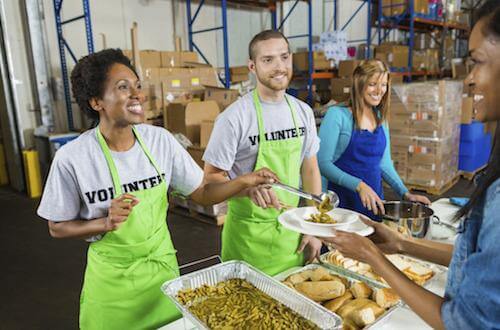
[377, 310]
[361, 290]
[299, 277]
[351, 306]
[321, 291]
[321, 274]
[336, 303]
[363, 316]
[386, 297]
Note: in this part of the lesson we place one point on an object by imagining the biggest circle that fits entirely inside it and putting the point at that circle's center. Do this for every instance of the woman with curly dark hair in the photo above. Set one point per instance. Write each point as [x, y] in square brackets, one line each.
[109, 186]
[472, 295]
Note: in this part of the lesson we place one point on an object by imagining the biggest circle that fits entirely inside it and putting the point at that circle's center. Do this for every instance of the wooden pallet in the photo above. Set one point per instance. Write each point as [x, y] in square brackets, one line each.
[435, 190]
[470, 175]
[185, 212]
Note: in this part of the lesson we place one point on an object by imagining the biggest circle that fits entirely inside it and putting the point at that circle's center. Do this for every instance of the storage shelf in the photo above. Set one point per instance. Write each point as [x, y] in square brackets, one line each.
[423, 25]
[415, 73]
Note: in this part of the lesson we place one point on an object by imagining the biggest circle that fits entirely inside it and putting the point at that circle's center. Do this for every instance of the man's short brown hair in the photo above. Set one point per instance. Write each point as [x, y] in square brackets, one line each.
[265, 35]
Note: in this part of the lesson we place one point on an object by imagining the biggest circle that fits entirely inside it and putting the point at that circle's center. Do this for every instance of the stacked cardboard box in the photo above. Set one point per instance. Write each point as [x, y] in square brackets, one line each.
[195, 121]
[340, 88]
[396, 56]
[239, 74]
[320, 62]
[399, 7]
[172, 77]
[424, 122]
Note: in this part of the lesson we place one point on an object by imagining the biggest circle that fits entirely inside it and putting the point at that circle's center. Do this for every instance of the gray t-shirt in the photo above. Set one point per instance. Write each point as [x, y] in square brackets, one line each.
[234, 141]
[79, 185]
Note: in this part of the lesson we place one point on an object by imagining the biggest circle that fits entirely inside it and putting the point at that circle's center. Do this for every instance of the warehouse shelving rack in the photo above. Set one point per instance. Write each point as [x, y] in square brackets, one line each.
[368, 38]
[63, 46]
[409, 21]
[269, 5]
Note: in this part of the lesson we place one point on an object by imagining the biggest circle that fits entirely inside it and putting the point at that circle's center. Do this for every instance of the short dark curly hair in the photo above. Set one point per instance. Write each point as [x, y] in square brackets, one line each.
[89, 76]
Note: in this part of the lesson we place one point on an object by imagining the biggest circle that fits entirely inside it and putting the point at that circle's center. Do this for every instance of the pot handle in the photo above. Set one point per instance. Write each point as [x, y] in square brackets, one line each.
[437, 221]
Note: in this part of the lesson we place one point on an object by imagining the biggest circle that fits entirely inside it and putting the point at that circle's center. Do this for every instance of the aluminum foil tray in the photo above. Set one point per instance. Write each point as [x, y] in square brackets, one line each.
[241, 270]
[372, 284]
[439, 271]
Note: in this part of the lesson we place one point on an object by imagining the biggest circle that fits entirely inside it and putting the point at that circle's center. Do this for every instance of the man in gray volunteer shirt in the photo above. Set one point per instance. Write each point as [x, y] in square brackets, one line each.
[265, 128]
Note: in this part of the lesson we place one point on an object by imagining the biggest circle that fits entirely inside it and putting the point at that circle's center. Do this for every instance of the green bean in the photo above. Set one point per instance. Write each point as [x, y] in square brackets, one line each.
[237, 303]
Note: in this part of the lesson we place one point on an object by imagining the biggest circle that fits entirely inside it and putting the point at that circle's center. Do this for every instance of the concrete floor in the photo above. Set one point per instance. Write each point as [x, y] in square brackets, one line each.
[41, 277]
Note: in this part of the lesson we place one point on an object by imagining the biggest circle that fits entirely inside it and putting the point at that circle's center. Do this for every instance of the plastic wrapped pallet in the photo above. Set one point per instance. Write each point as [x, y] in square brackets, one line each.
[424, 120]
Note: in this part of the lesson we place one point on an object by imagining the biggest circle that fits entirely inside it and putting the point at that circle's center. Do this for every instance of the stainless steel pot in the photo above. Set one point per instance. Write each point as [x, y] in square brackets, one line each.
[413, 218]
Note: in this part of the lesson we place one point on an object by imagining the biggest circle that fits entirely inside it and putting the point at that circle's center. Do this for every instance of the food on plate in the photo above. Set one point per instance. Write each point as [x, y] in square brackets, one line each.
[415, 271]
[323, 217]
[236, 303]
[385, 297]
[358, 305]
[361, 290]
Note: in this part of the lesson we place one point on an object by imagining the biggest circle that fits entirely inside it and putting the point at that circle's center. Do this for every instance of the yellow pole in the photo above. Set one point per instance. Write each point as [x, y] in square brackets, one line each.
[32, 173]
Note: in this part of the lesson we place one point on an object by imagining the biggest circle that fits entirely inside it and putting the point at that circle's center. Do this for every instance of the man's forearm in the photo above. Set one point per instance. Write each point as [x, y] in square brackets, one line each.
[311, 180]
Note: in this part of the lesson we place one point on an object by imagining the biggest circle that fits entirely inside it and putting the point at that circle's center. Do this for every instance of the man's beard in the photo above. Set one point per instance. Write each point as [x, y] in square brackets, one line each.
[270, 83]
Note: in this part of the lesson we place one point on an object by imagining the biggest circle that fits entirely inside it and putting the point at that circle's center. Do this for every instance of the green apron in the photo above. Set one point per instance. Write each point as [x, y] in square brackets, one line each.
[253, 234]
[127, 267]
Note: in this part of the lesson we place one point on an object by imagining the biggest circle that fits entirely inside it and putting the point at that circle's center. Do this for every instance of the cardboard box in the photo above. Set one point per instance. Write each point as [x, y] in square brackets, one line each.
[196, 153]
[177, 59]
[187, 118]
[394, 55]
[223, 97]
[239, 70]
[386, 8]
[467, 110]
[346, 68]
[190, 78]
[399, 126]
[432, 60]
[399, 7]
[341, 89]
[150, 59]
[151, 86]
[419, 60]
[301, 61]
[422, 41]
[180, 95]
[459, 69]
[205, 131]
[238, 78]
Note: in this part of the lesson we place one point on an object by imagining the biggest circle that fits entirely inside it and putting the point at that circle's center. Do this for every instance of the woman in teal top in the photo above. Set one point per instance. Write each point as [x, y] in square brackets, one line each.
[355, 153]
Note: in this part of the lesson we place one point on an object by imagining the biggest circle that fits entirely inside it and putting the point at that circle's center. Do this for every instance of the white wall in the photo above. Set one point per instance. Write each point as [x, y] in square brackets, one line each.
[17, 58]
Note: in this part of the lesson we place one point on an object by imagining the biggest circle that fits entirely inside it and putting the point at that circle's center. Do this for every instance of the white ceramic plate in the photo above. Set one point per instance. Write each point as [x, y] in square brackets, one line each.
[347, 221]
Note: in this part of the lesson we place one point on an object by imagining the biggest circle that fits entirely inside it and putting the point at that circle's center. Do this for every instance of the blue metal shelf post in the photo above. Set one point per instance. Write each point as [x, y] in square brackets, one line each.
[63, 46]
[193, 46]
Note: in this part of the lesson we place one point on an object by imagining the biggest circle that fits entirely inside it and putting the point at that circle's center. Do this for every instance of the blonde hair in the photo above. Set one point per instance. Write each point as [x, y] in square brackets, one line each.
[360, 77]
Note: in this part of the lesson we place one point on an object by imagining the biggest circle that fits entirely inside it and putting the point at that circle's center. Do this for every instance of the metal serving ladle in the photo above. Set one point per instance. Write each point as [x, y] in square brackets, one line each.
[333, 198]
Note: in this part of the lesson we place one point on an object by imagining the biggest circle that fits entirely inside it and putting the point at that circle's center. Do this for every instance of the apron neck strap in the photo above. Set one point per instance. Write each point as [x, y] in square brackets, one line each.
[260, 121]
[111, 164]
